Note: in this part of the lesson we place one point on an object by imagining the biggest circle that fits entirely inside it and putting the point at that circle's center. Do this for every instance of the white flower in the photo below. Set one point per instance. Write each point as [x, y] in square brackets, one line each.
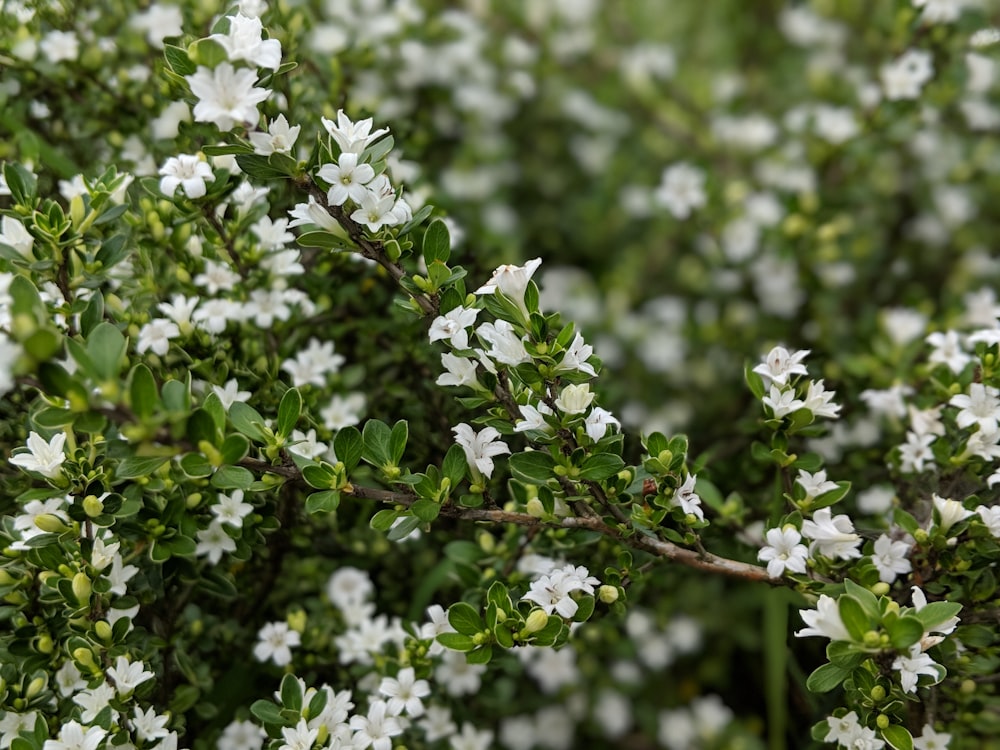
[931, 740]
[45, 457]
[453, 326]
[818, 400]
[912, 666]
[575, 358]
[553, 592]
[948, 351]
[990, 516]
[94, 700]
[480, 447]
[597, 422]
[375, 211]
[158, 22]
[891, 558]
[214, 542]
[60, 46]
[226, 96]
[575, 398]
[278, 139]
[313, 364]
[681, 189]
[461, 371]
[780, 365]
[312, 213]
[128, 675]
[244, 42]
[347, 179]
[155, 336]
[273, 235]
[377, 728]
[187, 171]
[352, 137]
[950, 511]
[512, 282]
[149, 725]
[782, 402]
[471, 738]
[231, 509]
[14, 234]
[905, 77]
[299, 737]
[688, 499]
[824, 621]
[404, 692]
[275, 642]
[74, 736]
[103, 554]
[343, 411]
[241, 735]
[457, 675]
[349, 586]
[507, 346]
[217, 277]
[832, 536]
[915, 452]
[980, 407]
[230, 393]
[814, 484]
[784, 551]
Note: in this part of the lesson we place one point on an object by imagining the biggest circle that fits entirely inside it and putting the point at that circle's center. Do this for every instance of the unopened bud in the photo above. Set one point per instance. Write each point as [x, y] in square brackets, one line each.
[535, 508]
[36, 686]
[877, 693]
[84, 656]
[882, 721]
[44, 644]
[92, 506]
[537, 620]
[487, 542]
[82, 588]
[872, 639]
[297, 620]
[880, 589]
[608, 594]
[103, 630]
[51, 523]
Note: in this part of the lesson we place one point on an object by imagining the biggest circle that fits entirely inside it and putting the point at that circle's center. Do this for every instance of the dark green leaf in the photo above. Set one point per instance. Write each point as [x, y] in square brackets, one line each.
[532, 467]
[403, 528]
[826, 678]
[601, 467]
[347, 445]
[897, 738]
[247, 420]
[426, 510]
[232, 478]
[853, 616]
[323, 502]
[288, 412]
[456, 641]
[139, 466]
[465, 619]
[437, 243]
[143, 396]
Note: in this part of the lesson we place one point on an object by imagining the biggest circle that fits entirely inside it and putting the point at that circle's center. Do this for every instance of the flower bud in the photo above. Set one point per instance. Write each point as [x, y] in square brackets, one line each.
[872, 639]
[880, 589]
[535, 508]
[537, 620]
[44, 644]
[877, 693]
[36, 686]
[82, 588]
[50, 523]
[92, 506]
[882, 721]
[608, 594]
[103, 630]
[84, 656]
[487, 542]
[297, 620]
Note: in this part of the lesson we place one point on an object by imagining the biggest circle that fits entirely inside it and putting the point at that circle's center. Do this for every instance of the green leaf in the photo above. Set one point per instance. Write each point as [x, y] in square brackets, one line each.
[234, 448]
[139, 466]
[454, 465]
[323, 240]
[196, 465]
[288, 412]
[247, 420]
[268, 712]
[323, 502]
[853, 616]
[456, 641]
[384, 519]
[319, 476]
[897, 737]
[600, 467]
[232, 478]
[935, 614]
[207, 52]
[904, 632]
[397, 441]
[92, 314]
[376, 438]
[21, 183]
[426, 510]
[437, 243]
[532, 467]
[403, 528]
[585, 608]
[348, 446]
[143, 396]
[481, 655]
[201, 426]
[866, 598]
[106, 348]
[42, 344]
[845, 654]
[178, 60]
[259, 167]
[176, 396]
[465, 618]
[228, 149]
[291, 693]
[826, 678]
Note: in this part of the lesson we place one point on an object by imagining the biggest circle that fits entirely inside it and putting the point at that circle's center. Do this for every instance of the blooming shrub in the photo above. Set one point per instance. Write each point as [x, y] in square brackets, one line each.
[282, 474]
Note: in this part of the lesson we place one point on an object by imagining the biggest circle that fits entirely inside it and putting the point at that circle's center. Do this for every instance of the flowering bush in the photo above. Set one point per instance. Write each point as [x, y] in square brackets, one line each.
[283, 474]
